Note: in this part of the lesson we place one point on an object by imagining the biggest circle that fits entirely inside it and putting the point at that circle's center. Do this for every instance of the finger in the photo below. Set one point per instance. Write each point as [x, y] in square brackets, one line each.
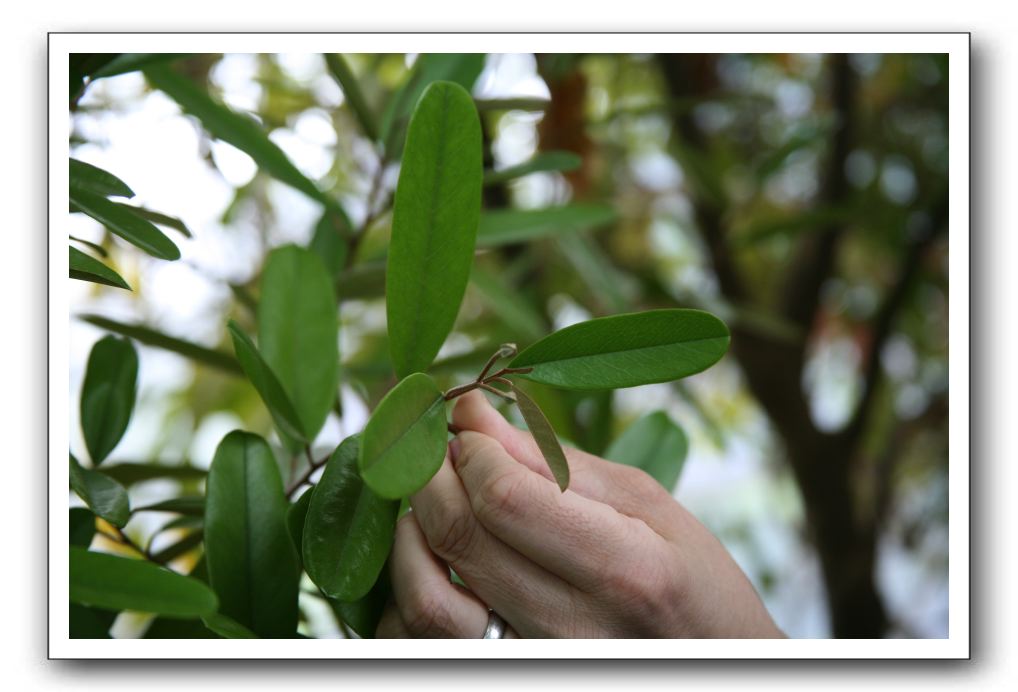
[429, 605]
[630, 491]
[535, 602]
[391, 626]
[571, 536]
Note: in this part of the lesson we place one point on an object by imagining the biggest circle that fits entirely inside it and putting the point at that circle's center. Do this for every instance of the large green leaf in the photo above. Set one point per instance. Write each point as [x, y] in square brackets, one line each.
[349, 529]
[151, 337]
[404, 441]
[504, 226]
[85, 176]
[86, 268]
[102, 494]
[89, 623]
[627, 350]
[364, 614]
[434, 225]
[81, 527]
[543, 161]
[125, 223]
[298, 332]
[545, 437]
[251, 562]
[107, 395]
[239, 130]
[265, 381]
[655, 444]
[330, 246]
[119, 583]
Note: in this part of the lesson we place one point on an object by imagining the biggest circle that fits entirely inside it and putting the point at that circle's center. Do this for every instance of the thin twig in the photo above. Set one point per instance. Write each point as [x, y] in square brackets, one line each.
[499, 392]
[306, 476]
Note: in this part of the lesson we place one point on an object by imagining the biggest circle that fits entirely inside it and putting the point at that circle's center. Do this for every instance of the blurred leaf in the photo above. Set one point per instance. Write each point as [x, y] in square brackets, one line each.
[158, 218]
[94, 247]
[349, 530]
[252, 564]
[509, 304]
[80, 66]
[655, 444]
[459, 68]
[103, 495]
[352, 93]
[86, 268]
[129, 473]
[512, 104]
[627, 350]
[151, 337]
[545, 437]
[85, 176]
[107, 395]
[364, 614]
[121, 220]
[615, 290]
[132, 62]
[81, 527]
[265, 382]
[119, 583]
[541, 162]
[298, 332]
[504, 226]
[191, 506]
[365, 280]
[762, 230]
[329, 245]
[89, 623]
[227, 627]
[296, 516]
[404, 440]
[175, 550]
[239, 130]
[434, 225]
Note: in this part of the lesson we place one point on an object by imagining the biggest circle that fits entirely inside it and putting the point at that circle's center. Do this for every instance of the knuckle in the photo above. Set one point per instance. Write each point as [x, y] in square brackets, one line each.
[639, 585]
[426, 614]
[502, 496]
[640, 483]
[453, 535]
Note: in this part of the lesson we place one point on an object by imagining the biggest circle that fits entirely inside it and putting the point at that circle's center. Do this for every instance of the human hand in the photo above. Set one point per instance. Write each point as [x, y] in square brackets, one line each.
[613, 556]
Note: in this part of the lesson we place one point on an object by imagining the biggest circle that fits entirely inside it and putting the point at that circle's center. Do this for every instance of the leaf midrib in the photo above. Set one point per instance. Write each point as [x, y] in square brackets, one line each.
[602, 354]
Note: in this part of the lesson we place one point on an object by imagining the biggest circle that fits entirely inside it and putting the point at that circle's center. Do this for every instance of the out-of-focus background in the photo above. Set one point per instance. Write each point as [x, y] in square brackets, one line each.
[800, 197]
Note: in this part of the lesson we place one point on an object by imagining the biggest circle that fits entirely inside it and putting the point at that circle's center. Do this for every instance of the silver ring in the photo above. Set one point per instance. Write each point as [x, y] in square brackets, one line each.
[496, 626]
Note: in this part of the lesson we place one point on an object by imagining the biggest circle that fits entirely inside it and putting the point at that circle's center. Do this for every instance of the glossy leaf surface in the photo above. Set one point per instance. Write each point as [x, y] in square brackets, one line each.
[349, 529]
[404, 441]
[434, 225]
[364, 614]
[87, 268]
[126, 224]
[655, 444]
[252, 564]
[545, 437]
[81, 527]
[102, 494]
[627, 350]
[85, 176]
[107, 395]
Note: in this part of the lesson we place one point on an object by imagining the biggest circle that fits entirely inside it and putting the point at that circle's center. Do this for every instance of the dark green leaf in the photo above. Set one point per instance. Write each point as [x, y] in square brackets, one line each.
[82, 527]
[352, 92]
[158, 218]
[239, 130]
[544, 435]
[404, 441]
[86, 268]
[264, 380]
[504, 226]
[168, 628]
[85, 176]
[364, 614]
[362, 281]
[627, 350]
[191, 506]
[790, 225]
[298, 332]
[543, 161]
[131, 62]
[94, 247]
[119, 583]
[655, 444]
[103, 495]
[227, 627]
[89, 623]
[434, 225]
[107, 395]
[533, 105]
[251, 561]
[329, 245]
[175, 550]
[129, 473]
[80, 66]
[126, 224]
[151, 337]
[349, 530]
[296, 515]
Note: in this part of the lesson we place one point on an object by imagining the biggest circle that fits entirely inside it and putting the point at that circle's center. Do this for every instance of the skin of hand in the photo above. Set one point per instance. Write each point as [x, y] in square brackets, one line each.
[613, 556]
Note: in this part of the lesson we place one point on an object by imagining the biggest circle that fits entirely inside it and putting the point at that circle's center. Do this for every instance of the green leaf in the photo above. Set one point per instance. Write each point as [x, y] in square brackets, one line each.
[459, 68]
[81, 527]
[655, 444]
[107, 395]
[86, 268]
[329, 245]
[129, 473]
[541, 162]
[296, 515]
[89, 623]
[531, 104]
[339, 69]
[298, 332]
[131, 62]
[239, 130]
[190, 506]
[151, 337]
[627, 350]
[85, 176]
[434, 225]
[251, 561]
[504, 226]
[126, 224]
[175, 550]
[508, 304]
[349, 529]
[227, 627]
[364, 614]
[102, 494]
[404, 441]
[365, 280]
[545, 437]
[264, 380]
[158, 218]
[119, 583]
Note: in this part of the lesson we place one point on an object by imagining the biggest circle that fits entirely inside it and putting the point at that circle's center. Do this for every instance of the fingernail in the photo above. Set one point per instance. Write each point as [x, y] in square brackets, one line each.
[454, 448]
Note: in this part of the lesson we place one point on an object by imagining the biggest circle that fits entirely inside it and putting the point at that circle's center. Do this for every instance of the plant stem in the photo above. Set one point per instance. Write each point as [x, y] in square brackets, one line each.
[306, 476]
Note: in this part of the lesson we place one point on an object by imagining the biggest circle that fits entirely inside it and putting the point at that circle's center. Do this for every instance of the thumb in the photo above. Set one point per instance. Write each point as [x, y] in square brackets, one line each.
[473, 412]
